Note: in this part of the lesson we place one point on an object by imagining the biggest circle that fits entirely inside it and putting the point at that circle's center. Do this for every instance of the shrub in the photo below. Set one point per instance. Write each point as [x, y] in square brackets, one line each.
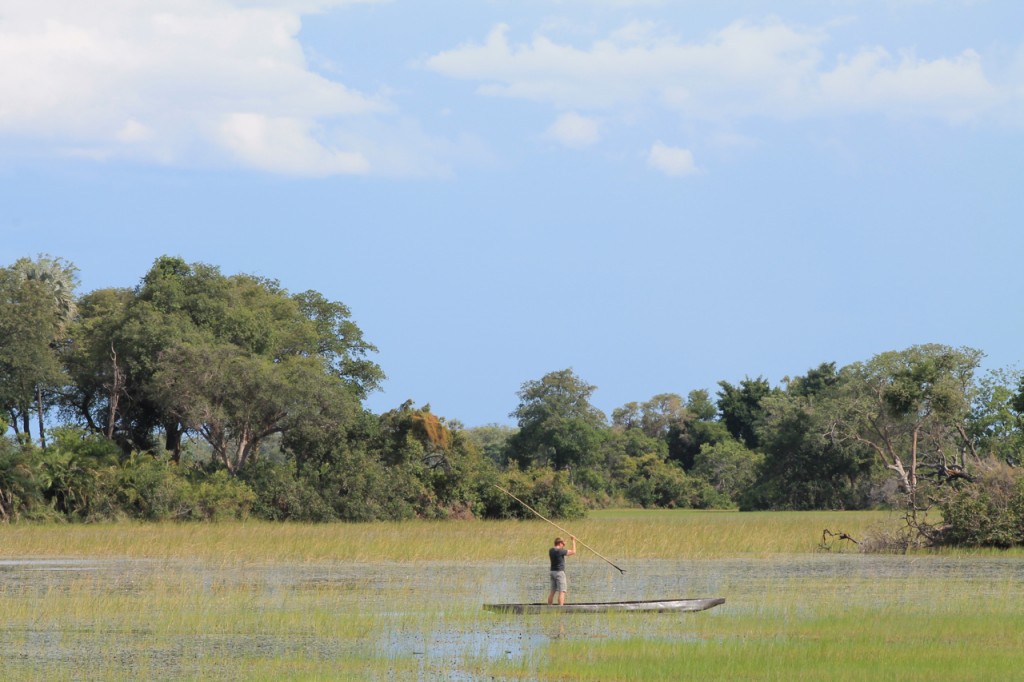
[549, 493]
[986, 513]
[20, 493]
[156, 489]
[281, 494]
[654, 482]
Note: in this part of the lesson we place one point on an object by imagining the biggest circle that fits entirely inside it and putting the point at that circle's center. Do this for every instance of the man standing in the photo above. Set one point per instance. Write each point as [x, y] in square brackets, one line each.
[559, 584]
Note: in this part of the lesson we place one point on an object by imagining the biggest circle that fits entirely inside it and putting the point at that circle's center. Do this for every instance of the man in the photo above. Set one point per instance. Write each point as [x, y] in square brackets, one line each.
[559, 584]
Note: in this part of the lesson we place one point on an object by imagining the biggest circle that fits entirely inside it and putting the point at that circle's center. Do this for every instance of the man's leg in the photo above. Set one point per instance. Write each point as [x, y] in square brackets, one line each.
[561, 598]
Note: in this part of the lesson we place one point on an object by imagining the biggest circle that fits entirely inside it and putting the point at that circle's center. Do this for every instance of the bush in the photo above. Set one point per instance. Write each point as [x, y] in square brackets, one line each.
[156, 489]
[728, 466]
[217, 497]
[549, 493]
[70, 468]
[20, 493]
[281, 494]
[986, 513]
[654, 482]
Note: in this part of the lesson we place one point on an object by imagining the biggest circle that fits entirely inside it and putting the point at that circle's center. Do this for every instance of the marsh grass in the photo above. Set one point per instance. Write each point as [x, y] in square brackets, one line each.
[618, 534]
[261, 601]
[961, 639]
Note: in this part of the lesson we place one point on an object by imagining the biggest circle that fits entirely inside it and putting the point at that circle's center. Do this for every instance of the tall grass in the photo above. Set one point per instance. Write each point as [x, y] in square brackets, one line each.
[639, 535]
[401, 601]
[936, 636]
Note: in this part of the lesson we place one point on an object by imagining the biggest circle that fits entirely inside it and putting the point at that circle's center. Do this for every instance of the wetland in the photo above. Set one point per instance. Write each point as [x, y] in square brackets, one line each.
[403, 602]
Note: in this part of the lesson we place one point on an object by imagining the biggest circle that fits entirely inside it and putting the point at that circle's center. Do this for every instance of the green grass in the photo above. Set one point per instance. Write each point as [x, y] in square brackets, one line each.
[402, 601]
[851, 644]
[623, 534]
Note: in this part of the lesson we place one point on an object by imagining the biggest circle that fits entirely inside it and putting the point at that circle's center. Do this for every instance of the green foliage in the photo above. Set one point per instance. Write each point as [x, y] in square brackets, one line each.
[492, 441]
[31, 324]
[20, 493]
[728, 467]
[741, 409]
[558, 427]
[995, 422]
[650, 481]
[988, 512]
[231, 358]
[698, 427]
[240, 362]
[283, 494]
[159, 489]
[804, 466]
[547, 491]
[904, 405]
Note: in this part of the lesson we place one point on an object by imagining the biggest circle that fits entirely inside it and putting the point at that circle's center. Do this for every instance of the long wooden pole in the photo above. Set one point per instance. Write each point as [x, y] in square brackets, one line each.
[559, 528]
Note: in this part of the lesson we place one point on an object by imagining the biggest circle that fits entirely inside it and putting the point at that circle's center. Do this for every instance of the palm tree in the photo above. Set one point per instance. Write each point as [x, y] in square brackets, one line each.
[59, 277]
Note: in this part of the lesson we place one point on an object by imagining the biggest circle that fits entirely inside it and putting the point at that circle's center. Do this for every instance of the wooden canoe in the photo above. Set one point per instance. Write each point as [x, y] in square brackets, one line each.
[655, 606]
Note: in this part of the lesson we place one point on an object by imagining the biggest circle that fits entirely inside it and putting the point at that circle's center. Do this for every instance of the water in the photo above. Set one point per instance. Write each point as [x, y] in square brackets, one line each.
[428, 612]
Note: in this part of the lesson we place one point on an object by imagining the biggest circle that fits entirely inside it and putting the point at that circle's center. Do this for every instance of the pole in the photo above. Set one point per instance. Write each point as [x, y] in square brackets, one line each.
[559, 527]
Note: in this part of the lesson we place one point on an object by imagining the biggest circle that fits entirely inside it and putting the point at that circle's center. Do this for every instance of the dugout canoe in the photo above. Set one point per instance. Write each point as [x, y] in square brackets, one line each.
[654, 606]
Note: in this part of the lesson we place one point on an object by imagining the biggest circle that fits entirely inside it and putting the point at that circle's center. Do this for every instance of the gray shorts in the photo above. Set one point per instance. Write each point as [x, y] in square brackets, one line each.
[559, 583]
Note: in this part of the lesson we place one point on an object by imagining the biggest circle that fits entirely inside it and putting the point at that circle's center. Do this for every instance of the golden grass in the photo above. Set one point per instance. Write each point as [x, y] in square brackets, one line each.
[615, 534]
[387, 602]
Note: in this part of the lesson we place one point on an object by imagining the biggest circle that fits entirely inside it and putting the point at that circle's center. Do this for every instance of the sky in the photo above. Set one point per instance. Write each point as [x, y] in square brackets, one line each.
[659, 195]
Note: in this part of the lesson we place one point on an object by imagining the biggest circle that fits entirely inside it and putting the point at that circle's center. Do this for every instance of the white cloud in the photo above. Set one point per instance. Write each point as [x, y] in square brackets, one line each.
[178, 81]
[955, 88]
[673, 161]
[573, 130]
[284, 145]
[747, 69]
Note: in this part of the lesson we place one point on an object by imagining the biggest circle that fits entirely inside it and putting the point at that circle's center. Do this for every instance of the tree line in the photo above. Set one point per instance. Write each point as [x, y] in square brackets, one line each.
[200, 395]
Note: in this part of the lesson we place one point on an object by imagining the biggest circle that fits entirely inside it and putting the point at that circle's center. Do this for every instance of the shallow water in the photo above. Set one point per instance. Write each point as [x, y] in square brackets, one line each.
[426, 612]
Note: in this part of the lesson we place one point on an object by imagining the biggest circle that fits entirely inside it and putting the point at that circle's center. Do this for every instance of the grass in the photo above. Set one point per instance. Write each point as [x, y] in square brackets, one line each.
[398, 601]
[622, 534]
[962, 641]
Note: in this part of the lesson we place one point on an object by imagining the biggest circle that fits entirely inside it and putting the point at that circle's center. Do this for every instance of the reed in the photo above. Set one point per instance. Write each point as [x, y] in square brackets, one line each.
[397, 601]
[617, 534]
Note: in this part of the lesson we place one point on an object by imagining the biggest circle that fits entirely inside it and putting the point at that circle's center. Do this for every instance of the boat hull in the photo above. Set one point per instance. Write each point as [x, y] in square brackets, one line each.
[651, 606]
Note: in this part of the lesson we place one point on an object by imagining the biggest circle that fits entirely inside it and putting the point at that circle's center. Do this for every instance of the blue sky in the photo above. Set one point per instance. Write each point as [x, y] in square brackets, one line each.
[659, 195]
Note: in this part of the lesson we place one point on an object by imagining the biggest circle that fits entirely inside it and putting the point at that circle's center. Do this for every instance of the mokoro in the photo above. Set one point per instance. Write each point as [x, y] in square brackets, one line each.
[656, 606]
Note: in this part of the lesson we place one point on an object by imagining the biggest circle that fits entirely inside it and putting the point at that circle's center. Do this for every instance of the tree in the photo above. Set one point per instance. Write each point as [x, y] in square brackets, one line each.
[655, 417]
[906, 405]
[686, 439]
[803, 467]
[558, 426]
[36, 306]
[231, 358]
[99, 393]
[235, 400]
[729, 467]
[741, 409]
[995, 423]
[446, 465]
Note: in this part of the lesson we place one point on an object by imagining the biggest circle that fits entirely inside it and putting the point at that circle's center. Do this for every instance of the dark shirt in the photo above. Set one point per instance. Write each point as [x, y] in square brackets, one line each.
[557, 555]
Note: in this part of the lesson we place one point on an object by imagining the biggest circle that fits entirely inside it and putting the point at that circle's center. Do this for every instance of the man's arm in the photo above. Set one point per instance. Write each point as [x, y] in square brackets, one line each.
[573, 550]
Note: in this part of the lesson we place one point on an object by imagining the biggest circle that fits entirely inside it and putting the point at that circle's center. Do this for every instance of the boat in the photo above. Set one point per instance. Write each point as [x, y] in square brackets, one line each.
[652, 606]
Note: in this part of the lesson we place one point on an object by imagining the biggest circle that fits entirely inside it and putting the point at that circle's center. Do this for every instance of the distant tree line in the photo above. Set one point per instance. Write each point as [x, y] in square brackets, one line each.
[199, 395]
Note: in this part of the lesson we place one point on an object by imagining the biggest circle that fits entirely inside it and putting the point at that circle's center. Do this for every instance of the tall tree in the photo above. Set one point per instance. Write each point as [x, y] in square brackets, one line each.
[558, 426]
[996, 424]
[910, 407]
[231, 358]
[38, 304]
[655, 417]
[804, 468]
[686, 439]
[741, 408]
[234, 399]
